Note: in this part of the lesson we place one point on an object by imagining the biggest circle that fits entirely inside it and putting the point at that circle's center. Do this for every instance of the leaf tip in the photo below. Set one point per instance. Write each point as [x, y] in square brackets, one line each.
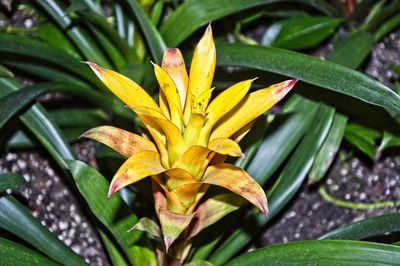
[167, 243]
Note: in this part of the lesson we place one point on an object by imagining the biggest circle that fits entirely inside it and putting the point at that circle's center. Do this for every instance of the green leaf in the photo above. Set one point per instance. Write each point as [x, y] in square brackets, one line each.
[17, 220]
[318, 72]
[301, 32]
[149, 226]
[10, 181]
[284, 188]
[322, 252]
[352, 51]
[38, 121]
[77, 34]
[113, 213]
[387, 27]
[152, 36]
[282, 136]
[58, 37]
[193, 14]
[115, 256]
[329, 149]
[388, 141]
[87, 117]
[157, 12]
[378, 225]
[101, 23]
[13, 254]
[363, 144]
[27, 48]
[13, 102]
[45, 72]
[363, 138]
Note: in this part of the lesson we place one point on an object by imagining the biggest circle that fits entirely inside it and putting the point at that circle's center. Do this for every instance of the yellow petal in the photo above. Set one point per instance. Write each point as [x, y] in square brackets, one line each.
[200, 103]
[124, 88]
[187, 193]
[201, 71]
[226, 100]
[171, 93]
[175, 142]
[137, 167]
[252, 106]
[175, 177]
[194, 160]
[163, 104]
[159, 138]
[226, 147]
[238, 181]
[174, 64]
[193, 130]
[122, 141]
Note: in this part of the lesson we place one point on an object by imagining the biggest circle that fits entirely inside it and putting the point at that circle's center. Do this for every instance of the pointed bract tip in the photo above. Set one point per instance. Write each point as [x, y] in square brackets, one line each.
[132, 228]
[93, 66]
[111, 190]
[265, 210]
[243, 156]
[209, 28]
[292, 82]
[85, 134]
[167, 243]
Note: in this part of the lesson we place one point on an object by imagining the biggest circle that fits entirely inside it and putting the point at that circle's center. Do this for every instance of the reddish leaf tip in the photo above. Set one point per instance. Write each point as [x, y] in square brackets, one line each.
[93, 66]
[209, 28]
[85, 134]
[167, 243]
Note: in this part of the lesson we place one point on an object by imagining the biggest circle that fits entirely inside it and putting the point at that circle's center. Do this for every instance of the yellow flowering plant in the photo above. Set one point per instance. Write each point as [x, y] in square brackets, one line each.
[190, 134]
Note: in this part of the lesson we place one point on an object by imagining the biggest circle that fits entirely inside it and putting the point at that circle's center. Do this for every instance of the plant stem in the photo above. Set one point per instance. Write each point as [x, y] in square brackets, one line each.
[356, 205]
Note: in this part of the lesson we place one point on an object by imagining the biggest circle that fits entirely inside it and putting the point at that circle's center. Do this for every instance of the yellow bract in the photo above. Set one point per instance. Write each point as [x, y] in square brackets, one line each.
[192, 136]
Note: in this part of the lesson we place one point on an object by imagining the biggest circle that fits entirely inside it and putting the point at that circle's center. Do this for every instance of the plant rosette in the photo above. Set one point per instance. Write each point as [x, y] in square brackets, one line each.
[187, 143]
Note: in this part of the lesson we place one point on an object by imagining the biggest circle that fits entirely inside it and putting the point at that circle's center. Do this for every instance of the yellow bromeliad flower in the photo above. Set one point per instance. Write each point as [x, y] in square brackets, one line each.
[191, 136]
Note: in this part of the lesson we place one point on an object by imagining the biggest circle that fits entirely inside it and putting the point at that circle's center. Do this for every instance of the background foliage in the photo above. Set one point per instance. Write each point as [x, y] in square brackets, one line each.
[334, 102]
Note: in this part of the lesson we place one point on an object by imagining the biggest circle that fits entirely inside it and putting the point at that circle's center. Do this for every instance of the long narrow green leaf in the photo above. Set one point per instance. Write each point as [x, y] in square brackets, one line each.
[112, 251]
[387, 27]
[284, 188]
[329, 149]
[78, 35]
[322, 252]
[17, 220]
[300, 32]
[113, 213]
[153, 37]
[13, 102]
[100, 22]
[28, 48]
[192, 14]
[38, 121]
[87, 117]
[379, 225]
[282, 136]
[10, 181]
[353, 50]
[13, 254]
[318, 72]
[45, 72]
